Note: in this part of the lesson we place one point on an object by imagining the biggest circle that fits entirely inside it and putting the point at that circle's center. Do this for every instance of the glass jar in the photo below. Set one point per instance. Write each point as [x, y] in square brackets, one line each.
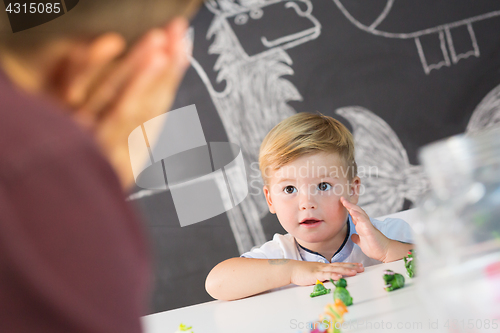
[458, 234]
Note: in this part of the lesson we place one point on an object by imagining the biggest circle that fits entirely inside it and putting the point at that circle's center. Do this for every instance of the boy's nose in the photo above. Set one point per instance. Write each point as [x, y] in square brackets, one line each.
[308, 205]
[307, 200]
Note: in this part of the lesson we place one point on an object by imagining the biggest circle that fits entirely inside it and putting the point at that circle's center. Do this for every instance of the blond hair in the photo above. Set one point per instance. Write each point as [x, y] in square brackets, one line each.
[302, 134]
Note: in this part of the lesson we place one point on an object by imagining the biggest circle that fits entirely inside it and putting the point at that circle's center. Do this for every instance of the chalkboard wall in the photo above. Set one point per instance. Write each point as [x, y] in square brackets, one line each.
[399, 74]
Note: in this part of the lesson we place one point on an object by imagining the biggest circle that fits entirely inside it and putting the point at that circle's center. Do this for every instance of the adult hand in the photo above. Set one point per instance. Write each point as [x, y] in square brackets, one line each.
[116, 94]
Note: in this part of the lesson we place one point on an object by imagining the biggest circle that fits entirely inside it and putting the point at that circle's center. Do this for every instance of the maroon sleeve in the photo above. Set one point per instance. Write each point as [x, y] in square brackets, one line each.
[72, 254]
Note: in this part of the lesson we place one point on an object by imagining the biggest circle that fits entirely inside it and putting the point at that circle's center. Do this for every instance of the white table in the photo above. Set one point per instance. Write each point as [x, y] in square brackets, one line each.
[290, 309]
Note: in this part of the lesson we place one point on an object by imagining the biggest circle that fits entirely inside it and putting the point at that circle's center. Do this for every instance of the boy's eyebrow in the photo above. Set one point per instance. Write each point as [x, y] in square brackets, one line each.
[328, 176]
[285, 180]
[281, 180]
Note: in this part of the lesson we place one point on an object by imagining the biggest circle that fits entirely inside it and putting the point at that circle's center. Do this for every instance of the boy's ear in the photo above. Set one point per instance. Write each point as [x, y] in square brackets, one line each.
[354, 187]
[267, 193]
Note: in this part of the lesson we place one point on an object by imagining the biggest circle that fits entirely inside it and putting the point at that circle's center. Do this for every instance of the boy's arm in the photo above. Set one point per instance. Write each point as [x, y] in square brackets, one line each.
[372, 241]
[397, 250]
[242, 277]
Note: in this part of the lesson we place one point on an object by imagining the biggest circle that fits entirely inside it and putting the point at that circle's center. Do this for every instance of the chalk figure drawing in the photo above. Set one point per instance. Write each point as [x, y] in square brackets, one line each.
[255, 100]
[255, 97]
[382, 24]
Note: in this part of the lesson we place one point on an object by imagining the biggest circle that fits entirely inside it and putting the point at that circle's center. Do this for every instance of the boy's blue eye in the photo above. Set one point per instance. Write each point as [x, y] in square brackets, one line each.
[324, 186]
[289, 189]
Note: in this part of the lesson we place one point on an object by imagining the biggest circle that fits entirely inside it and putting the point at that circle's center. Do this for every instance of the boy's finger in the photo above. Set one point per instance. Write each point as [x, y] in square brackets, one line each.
[356, 214]
[346, 264]
[342, 270]
[335, 276]
[358, 267]
[355, 239]
[352, 208]
[347, 204]
[325, 276]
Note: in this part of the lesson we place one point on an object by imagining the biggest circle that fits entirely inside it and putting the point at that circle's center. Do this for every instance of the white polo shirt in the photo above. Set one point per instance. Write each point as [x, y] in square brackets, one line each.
[286, 247]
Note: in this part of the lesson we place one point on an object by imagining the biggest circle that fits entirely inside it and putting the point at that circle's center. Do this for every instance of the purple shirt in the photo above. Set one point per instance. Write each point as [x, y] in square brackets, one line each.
[72, 252]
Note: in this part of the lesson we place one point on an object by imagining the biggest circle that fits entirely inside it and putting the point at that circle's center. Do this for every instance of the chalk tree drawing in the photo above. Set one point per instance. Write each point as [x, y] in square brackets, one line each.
[255, 97]
[386, 174]
[487, 113]
[443, 31]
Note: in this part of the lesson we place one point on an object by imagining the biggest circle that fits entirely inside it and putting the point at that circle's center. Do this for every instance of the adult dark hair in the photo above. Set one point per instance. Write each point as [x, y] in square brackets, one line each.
[90, 18]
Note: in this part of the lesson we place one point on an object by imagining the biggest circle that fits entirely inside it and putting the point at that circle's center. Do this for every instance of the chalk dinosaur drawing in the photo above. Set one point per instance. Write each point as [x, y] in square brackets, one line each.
[396, 19]
[255, 96]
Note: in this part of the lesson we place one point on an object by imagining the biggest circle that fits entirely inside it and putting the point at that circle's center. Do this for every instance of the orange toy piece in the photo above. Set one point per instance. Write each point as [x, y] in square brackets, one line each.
[334, 316]
[336, 311]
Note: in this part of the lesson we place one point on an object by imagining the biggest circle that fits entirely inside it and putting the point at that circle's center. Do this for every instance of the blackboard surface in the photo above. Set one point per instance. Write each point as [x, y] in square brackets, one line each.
[400, 74]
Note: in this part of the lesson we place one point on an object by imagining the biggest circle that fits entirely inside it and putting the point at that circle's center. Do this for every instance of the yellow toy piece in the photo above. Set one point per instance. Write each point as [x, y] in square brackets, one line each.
[319, 289]
[184, 328]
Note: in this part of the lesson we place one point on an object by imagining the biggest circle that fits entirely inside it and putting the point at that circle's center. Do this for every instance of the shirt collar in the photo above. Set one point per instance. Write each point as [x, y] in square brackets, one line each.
[342, 253]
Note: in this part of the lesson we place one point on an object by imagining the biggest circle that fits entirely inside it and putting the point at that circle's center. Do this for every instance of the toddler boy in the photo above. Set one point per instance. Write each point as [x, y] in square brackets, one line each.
[311, 184]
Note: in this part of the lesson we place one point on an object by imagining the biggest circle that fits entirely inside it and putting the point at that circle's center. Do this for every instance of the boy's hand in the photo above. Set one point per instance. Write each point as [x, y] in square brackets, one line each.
[306, 273]
[371, 241]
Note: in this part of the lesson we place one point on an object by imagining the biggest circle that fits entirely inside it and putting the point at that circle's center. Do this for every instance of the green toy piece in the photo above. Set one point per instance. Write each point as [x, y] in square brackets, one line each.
[393, 280]
[410, 263]
[341, 292]
[319, 289]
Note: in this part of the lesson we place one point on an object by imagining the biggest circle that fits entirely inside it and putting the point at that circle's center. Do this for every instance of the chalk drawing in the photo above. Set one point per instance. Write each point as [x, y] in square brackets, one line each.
[386, 175]
[487, 113]
[443, 31]
[255, 97]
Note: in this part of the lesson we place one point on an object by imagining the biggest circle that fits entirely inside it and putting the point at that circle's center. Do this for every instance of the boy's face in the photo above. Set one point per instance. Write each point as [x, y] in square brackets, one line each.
[305, 195]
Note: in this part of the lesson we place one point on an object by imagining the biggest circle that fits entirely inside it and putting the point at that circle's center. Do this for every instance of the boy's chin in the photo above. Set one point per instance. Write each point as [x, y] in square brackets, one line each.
[311, 239]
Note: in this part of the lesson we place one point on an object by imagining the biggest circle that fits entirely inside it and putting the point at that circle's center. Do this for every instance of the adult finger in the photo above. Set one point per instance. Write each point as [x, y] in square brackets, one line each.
[154, 86]
[106, 92]
[87, 64]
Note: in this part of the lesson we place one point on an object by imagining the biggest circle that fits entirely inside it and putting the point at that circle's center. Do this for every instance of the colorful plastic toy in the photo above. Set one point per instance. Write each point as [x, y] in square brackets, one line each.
[410, 263]
[319, 289]
[332, 319]
[393, 280]
[341, 292]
